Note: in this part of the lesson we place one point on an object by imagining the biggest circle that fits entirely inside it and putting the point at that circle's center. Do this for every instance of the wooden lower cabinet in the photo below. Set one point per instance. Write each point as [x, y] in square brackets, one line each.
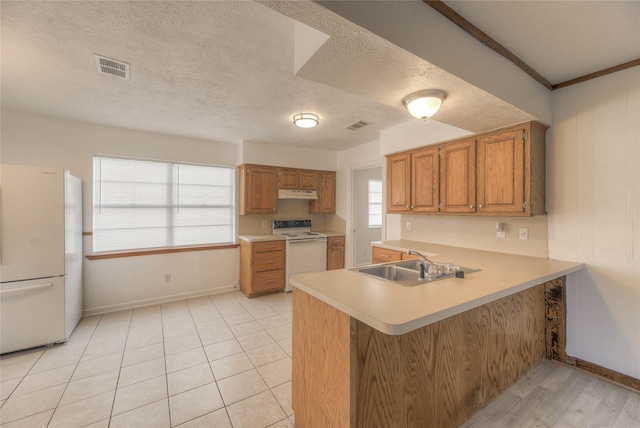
[335, 252]
[384, 255]
[347, 374]
[262, 267]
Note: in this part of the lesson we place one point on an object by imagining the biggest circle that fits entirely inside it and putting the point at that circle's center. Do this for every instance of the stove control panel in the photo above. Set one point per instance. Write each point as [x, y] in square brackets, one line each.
[281, 224]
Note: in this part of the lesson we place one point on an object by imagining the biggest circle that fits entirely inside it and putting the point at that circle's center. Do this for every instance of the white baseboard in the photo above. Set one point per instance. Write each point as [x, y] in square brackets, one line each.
[140, 303]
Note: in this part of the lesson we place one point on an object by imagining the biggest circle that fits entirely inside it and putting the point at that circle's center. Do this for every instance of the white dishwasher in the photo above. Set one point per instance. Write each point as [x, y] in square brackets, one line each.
[306, 251]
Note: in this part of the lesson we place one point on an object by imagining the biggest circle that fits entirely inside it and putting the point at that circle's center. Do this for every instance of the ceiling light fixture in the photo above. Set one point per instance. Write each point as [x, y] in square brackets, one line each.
[306, 120]
[424, 104]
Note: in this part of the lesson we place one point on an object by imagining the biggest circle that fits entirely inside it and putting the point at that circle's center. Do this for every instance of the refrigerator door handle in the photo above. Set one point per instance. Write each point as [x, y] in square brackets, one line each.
[0, 225]
[22, 289]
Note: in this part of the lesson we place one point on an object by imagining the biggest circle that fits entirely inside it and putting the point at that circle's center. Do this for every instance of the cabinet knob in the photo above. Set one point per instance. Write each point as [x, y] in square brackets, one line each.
[471, 206]
[411, 206]
[407, 206]
[480, 206]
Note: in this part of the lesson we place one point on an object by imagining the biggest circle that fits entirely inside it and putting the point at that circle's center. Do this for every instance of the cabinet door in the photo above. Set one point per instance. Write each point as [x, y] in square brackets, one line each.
[425, 171]
[260, 188]
[335, 252]
[307, 180]
[458, 177]
[399, 183]
[326, 202]
[287, 179]
[501, 173]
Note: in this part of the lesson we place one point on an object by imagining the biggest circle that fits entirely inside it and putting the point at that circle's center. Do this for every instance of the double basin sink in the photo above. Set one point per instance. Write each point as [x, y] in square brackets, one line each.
[407, 272]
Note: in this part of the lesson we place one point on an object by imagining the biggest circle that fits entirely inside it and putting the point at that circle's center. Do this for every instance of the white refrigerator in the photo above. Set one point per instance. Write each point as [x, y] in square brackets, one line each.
[40, 256]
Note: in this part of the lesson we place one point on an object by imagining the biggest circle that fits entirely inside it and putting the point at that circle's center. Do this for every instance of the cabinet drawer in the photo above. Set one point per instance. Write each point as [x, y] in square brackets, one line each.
[335, 241]
[268, 281]
[271, 260]
[382, 255]
[261, 247]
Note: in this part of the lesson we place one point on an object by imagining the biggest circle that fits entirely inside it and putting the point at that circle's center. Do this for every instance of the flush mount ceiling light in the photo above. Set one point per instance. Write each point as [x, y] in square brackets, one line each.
[306, 120]
[424, 104]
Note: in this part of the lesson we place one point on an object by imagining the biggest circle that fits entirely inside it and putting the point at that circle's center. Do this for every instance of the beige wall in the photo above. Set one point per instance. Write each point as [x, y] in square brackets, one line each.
[119, 283]
[133, 281]
[593, 199]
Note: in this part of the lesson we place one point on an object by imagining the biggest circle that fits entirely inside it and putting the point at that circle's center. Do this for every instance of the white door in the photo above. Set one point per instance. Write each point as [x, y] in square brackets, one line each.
[365, 228]
[32, 217]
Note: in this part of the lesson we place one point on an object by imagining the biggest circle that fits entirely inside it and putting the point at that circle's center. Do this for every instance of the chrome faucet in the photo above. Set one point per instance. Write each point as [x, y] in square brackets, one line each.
[423, 269]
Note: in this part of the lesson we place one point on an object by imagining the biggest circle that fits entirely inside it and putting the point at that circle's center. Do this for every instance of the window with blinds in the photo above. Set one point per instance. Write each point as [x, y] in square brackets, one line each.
[375, 204]
[141, 204]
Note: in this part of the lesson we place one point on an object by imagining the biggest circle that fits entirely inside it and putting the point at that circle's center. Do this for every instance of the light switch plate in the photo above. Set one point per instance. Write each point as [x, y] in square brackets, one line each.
[408, 226]
[265, 224]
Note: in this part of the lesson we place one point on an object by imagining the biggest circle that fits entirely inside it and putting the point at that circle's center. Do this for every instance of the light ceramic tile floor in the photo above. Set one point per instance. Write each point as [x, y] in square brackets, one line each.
[216, 361]
[225, 361]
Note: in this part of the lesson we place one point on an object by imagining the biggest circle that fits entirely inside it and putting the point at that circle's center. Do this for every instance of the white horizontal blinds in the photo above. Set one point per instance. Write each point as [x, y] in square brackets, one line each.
[203, 205]
[146, 204]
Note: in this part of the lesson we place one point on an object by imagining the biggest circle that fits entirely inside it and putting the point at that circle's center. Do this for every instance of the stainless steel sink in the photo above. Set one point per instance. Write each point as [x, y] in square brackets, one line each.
[407, 272]
[391, 272]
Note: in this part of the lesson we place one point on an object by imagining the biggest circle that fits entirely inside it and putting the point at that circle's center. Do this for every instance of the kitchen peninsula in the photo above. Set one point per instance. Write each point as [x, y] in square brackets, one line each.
[368, 352]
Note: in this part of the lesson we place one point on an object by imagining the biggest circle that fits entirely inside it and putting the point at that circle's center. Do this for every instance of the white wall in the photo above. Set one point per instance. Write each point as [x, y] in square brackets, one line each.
[593, 194]
[123, 282]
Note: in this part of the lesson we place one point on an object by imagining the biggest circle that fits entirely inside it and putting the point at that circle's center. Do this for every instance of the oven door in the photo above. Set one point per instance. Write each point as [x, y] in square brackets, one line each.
[305, 255]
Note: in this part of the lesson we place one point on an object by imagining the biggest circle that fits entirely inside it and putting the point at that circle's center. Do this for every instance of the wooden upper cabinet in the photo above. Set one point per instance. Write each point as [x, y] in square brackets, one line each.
[297, 179]
[326, 202]
[399, 183]
[501, 173]
[458, 177]
[511, 171]
[425, 179]
[258, 189]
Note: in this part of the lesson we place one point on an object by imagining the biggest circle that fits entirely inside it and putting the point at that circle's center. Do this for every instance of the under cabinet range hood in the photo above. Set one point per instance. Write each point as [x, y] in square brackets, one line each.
[297, 194]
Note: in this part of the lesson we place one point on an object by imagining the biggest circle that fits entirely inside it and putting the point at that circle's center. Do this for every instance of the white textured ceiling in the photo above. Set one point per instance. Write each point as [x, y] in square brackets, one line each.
[224, 70]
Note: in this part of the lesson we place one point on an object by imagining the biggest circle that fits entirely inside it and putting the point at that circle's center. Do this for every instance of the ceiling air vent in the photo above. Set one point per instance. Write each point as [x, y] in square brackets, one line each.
[359, 124]
[112, 67]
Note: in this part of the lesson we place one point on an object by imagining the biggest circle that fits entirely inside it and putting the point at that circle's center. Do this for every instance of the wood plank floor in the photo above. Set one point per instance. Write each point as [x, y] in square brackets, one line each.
[555, 395]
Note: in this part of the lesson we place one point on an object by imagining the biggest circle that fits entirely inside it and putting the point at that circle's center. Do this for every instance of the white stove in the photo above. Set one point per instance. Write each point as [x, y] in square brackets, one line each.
[306, 251]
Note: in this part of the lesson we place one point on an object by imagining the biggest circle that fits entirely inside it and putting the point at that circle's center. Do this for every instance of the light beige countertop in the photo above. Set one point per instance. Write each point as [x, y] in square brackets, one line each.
[270, 237]
[329, 233]
[394, 309]
[261, 238]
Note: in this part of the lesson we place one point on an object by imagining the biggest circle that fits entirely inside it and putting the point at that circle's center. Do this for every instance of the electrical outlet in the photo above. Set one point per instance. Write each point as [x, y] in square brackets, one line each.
[500, 232]
[524, 233]
[265, 224]
[408, 226]
[167, 278]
